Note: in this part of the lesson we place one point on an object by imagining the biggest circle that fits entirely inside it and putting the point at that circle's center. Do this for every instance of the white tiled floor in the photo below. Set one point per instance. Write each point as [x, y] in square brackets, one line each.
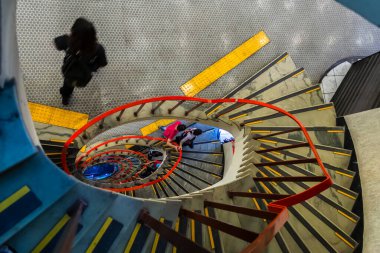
[332, 80]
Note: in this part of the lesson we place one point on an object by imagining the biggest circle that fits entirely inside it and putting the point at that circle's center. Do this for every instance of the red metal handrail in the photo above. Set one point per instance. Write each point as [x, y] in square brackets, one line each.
[143, 156]
[279, 206]
[115, 159]
[133, 188]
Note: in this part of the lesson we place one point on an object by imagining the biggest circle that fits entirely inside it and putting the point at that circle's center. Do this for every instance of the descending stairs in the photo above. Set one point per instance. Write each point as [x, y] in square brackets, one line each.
[212, 198]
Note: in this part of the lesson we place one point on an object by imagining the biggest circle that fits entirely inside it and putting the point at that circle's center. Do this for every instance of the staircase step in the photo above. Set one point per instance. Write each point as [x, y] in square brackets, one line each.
[13, 129]
[309, 96]
[346, 220]
[275, 70]
[316, 222]
[24, 199]
[309, 116]
[328, 136]
[337, 157]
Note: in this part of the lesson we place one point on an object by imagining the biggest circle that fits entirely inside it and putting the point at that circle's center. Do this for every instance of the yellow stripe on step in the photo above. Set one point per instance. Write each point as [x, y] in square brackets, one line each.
[132, 238]
[14, 198]
[254, 122]
[283, 58]
[299, 73]
[216, 108]
[225, 64]
[310, 91]
[342, 154]
[239, 116]
[275, 172]
[53, 232]
[260, 131]
[176, 229]
[267, 158]
[56, 140]
[99, 235]
[57, 153]
[266, 189]
[344, 240]
[156, 238]
[345, 194]
[56, 116]
[83, 149]
[193, 230]
[344, 174]
[268, 141]
[335, 131]
[348, 217]
[212, 244]
[325, 108]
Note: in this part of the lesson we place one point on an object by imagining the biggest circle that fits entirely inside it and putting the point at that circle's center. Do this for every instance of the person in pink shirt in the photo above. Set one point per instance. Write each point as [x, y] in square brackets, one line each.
[172, 130]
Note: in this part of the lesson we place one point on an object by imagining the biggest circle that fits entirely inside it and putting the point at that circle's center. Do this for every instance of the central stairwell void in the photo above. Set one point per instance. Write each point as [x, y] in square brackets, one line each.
[282, 185]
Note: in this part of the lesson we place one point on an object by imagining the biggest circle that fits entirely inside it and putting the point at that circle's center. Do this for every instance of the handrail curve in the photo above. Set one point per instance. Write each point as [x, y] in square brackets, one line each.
[278, 206]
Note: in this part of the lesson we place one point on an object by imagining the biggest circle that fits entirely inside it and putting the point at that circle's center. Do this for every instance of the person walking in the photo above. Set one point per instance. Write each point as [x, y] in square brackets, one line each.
[84, 55]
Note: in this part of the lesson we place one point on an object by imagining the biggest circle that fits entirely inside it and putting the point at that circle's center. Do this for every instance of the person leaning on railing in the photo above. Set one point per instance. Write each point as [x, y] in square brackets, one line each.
[171, 131]
[187, 137]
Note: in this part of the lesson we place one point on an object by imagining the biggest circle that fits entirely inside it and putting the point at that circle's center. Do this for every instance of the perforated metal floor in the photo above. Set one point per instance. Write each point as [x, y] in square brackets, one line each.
[155, 46]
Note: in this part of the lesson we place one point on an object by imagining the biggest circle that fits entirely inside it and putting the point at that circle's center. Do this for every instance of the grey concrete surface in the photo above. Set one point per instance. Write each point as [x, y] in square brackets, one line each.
[155, 46]
[365, 132]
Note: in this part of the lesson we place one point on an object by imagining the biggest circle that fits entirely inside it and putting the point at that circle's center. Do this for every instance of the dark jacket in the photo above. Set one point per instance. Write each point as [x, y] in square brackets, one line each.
[95, 61]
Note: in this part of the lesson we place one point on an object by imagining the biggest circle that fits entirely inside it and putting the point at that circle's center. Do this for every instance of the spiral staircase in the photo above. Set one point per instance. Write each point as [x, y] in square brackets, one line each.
[283, 185]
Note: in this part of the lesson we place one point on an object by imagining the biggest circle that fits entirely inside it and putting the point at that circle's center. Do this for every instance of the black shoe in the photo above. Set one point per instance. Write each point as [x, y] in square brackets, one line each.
[65, 100]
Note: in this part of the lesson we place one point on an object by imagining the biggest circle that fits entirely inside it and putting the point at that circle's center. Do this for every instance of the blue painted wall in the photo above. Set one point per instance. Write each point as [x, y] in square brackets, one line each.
[369, 9]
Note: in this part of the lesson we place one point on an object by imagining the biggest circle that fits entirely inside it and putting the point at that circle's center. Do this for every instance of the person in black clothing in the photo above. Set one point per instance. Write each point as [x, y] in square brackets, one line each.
[84, 55]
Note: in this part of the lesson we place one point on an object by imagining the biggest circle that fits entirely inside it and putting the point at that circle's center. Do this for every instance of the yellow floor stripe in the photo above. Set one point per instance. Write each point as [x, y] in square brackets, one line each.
[53, 232]
[348, 217]
[344, 174]
[310, 91]
[56, 116]
[132, 238]
[99, 235]
[342, 154]
[153, 127]
[212, 244]
[344, 240]
[239, 116]
[14, 198]
[156, 239]
[225, 64]
[345, 194]
[128, 146]
[325, 108]
[193, 230]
